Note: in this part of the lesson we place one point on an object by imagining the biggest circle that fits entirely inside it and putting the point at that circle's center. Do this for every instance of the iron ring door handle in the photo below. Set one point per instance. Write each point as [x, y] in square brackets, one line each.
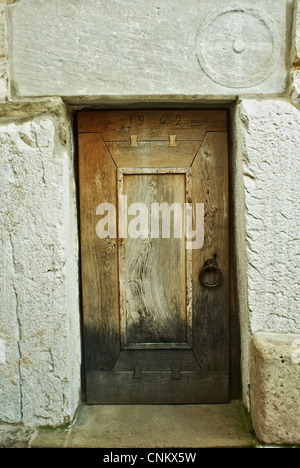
[210, 265]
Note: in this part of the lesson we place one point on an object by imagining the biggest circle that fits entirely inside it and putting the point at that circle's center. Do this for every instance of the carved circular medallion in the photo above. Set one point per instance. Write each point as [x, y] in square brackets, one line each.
[238, 47]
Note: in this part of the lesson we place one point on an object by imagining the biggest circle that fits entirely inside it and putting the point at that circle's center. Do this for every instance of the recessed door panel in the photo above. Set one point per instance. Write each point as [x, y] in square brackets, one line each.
[154, 269]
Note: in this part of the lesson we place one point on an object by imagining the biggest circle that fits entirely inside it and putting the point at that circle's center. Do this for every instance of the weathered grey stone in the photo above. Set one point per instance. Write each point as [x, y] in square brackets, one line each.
[96, 48]
[296, 33]
[94, 51]
[3, 60]
[3, 80]
[228, 49]
[39, 289]
[270, 137]
[12, 436]
[275, 383]
[2, 32]
[156, 426]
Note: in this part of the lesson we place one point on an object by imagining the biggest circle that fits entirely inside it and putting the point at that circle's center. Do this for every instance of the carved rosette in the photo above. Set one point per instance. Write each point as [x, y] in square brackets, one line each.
[238, 47]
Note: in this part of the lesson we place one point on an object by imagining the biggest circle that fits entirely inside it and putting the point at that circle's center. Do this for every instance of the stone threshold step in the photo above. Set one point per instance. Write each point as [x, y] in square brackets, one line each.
[152, 426]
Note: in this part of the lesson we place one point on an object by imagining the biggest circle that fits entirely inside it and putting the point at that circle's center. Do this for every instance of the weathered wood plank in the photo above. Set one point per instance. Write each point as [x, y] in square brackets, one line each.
[157, 388]
[189, 265]
[99, 262]
[154, 154]
[153, 170]
[152, 125]
[158, 360]
[211, 315]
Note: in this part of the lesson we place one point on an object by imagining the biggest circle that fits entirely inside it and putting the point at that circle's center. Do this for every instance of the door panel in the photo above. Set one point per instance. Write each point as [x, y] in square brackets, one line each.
[154, 290]
[154, 333]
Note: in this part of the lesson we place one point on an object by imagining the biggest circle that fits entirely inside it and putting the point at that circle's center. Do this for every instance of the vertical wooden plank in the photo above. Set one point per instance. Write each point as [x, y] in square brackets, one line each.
[122, 233]
[189, 266]
[97, 184]
[210, 305]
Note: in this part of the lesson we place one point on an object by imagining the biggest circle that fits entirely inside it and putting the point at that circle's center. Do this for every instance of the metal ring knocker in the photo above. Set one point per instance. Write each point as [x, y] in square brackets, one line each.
[210, 265]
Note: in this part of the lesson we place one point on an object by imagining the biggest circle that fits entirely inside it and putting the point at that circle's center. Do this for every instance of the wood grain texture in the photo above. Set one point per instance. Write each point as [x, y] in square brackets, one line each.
[155, 269]
[99, 261]
[157, 360]
[189, 265]
[153, 332]
[152, 125]
[157, 388]
[211, 314]
[153, 153]
[154, 170]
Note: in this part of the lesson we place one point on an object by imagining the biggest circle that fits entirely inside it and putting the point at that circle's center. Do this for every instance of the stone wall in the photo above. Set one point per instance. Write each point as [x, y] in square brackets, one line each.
[271, 173]
[56, 57]
[40, 340]
[39, 276]
[3, 56]
[268, 133]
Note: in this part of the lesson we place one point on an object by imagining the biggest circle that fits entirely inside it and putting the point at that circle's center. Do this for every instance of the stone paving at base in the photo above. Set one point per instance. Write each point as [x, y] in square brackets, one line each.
[142, 426]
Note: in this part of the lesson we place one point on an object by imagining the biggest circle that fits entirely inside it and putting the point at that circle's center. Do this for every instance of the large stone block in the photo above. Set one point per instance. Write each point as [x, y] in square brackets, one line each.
[275, 384]
[4, 91]
[3, 48]
[150, 47]
[271, 170]
[39, 332]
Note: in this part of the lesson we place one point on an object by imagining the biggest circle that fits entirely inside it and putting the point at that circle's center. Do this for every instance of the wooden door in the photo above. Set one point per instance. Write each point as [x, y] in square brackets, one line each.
[155, 307]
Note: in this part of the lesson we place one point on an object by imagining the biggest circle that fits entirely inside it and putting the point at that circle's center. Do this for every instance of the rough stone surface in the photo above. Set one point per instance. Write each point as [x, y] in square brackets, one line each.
[3, 47]
[39, 329]
[275, 383]
[131, 426]
[15, 436]
[3, 80]
[3, 58]
[96, 48]
[93, 51]
[271, 173]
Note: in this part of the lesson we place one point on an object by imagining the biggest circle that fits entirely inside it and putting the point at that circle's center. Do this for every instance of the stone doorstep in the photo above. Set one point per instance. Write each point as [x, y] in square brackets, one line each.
[142, 426]
[274, 392]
